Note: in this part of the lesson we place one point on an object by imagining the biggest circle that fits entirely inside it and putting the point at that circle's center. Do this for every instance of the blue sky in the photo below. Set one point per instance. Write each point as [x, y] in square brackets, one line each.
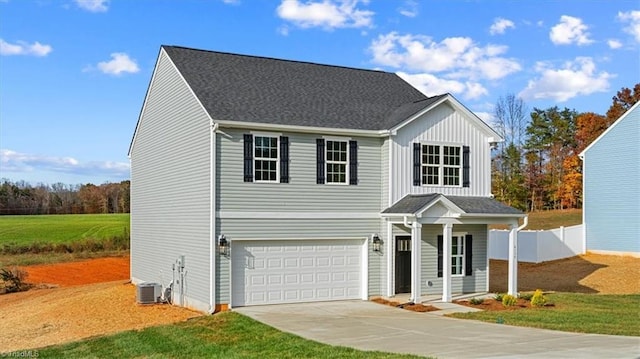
[73, 73]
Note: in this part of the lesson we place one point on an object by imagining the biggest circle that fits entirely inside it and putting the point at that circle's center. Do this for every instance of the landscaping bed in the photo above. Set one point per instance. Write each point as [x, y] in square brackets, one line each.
[414, 307]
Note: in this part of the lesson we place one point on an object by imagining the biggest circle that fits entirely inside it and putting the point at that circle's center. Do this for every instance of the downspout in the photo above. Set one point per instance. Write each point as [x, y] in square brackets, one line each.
[212, 218]
[513, 258]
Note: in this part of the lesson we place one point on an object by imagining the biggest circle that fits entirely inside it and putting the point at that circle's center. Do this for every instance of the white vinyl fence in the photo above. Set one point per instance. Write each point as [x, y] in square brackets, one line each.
[539, 246]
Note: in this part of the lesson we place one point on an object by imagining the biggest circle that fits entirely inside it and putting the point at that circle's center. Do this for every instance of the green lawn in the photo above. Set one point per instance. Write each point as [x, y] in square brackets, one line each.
[583, 313]
[225, 335]
[550, 219]
[60, 228]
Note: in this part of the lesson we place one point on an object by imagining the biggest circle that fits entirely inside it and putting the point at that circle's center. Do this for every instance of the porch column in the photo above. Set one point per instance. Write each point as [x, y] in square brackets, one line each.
[416, 250]
[447, 230]
[513, 260]
[391, 245]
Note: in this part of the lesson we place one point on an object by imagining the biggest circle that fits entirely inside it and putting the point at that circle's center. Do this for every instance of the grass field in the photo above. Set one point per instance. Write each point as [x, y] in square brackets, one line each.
[54, 229]
[582, 313]
[225, 335]
[550, 219]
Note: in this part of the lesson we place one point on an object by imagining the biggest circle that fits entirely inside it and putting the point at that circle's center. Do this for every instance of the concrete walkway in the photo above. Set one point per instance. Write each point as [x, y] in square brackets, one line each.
[370, 326]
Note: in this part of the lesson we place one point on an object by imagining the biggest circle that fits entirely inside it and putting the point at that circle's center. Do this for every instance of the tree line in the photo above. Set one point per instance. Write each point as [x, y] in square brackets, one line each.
[537, 166]
[23, 198]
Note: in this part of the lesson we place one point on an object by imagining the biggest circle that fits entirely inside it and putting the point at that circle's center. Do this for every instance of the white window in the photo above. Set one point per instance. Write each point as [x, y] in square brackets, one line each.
[441, 165]
[457, 255]
[336, 155]
[265, 156]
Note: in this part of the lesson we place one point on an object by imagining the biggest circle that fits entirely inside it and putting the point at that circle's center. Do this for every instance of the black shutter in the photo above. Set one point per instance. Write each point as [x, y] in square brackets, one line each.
[465, 166]
[248, 158]
[284, 159]
[417, 162]
[468, 253]
[353, 162]
[320, 161]
[440, 240]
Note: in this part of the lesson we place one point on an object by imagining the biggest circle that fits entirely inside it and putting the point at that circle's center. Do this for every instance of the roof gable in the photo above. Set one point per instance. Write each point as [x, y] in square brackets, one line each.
[633, 108]
[417, 204]
[281, 92]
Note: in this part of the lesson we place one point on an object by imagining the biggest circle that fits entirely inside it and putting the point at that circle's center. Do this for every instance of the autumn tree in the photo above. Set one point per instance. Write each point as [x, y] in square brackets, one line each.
[622, 101]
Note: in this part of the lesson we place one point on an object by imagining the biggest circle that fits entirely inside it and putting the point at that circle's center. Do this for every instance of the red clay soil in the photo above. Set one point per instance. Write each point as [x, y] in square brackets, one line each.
[415, 307]
[78, 273]
[494, 305]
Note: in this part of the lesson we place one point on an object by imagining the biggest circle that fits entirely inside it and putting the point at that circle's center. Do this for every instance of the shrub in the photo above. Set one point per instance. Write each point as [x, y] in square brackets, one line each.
[476, 301]
[13, 280]
[498, 297]
[538, 299]
[509, 301]
[526, 296]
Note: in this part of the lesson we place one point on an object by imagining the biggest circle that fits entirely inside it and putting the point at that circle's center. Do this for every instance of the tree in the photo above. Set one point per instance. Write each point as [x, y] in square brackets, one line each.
[589, 126]
[622, 101]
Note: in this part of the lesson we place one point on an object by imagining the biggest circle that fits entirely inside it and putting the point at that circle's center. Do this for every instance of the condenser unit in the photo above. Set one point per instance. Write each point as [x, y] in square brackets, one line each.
[149, 293]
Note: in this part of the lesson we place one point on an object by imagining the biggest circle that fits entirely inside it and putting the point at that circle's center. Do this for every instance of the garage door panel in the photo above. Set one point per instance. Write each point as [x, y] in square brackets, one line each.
[269, 272]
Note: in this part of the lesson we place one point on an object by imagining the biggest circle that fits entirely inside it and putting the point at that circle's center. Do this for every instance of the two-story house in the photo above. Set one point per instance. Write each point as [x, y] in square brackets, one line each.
[259, 181]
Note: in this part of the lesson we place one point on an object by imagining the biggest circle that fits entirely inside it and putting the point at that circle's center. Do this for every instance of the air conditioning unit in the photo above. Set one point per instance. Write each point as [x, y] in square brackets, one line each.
[149, 293]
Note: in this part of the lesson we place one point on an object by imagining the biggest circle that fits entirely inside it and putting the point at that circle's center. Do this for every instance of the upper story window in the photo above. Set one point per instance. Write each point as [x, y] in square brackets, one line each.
[440, 165]
[337, 161]
[266, 158]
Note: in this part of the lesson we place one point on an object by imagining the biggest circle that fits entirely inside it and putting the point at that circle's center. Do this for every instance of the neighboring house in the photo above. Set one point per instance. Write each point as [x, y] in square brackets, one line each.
[611, 187]
[326, 182]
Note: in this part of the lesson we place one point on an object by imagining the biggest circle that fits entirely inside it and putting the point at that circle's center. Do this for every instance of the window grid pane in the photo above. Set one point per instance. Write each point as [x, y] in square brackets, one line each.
[336, 161]
[266, 158]
[457, 255]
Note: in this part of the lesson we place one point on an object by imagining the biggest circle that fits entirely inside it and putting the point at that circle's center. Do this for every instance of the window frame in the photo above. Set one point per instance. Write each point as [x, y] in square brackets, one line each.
[440, 166]
[256, 158]
[328, 162]
[460, 238]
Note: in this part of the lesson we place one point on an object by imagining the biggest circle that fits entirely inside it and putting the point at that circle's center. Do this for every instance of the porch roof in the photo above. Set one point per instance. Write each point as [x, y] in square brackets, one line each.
[414, 204]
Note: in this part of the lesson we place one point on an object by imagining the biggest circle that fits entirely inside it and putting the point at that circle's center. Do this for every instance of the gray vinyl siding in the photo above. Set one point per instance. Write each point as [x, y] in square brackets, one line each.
[441, 125]
[170, 187]
[477, 282]
[332, 211]
[611, 189]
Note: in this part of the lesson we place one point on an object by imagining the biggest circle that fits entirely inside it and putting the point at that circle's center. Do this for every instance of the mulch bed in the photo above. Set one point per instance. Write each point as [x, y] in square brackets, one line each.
[415, 307]
[491, 304]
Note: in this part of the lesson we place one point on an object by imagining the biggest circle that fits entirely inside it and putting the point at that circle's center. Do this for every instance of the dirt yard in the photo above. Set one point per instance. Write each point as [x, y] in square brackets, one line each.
[93, 298]
[590, 273]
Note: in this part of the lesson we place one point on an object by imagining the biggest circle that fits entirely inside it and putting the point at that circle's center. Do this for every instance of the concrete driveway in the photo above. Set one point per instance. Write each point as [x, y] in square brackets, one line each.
[370, 326]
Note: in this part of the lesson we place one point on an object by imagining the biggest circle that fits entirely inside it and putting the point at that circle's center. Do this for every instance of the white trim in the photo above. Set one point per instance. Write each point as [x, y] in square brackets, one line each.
[391, 245]
[416, 262]
[212, 221]
[346, 163]
[269, 159]
[624, 115]
[299, 239]
[296, 215]
[265, 133]
[446, 262]
[390, 174]
[458, 106]
[304, 129]
[364, 275]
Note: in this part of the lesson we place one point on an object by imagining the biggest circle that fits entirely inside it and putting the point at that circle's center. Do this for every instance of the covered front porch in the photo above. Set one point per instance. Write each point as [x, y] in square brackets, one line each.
[437, 245]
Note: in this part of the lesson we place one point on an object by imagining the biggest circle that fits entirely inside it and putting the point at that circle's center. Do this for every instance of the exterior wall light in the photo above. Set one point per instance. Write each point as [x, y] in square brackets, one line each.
[375, 239]
[223, 245]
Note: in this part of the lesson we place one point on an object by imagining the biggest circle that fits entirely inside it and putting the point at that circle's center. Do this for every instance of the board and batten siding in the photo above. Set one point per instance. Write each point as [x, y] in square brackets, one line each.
[441, 125]
[477, 282]
[300, 209]
[170, 187]
[611, 188]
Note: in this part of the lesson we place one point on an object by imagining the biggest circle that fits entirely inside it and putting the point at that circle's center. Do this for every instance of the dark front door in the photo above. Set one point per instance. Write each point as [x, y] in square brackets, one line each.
[403, 264]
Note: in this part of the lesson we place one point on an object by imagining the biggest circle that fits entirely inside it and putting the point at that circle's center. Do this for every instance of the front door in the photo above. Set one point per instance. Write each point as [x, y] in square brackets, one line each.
[403, 264]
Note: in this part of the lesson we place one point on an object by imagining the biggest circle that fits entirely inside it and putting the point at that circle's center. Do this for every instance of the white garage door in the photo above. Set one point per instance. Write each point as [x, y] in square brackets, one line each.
[271, 272]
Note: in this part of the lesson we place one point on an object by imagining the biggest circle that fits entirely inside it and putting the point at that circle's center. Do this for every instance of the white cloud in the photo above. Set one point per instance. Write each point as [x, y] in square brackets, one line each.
[120, 62]
[487, 117]
[13, 161]
[574, 78]
[633, 18]
[327, 14]
[409, 8]
[457, 56]
[93, 5]
[500, 25]
[614, 44]
[432, 85]
[570, 30]
[23, 48]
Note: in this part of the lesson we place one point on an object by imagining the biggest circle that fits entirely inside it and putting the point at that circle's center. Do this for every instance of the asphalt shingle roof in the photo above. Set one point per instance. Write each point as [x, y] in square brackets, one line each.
[412, 203]
[265, 90]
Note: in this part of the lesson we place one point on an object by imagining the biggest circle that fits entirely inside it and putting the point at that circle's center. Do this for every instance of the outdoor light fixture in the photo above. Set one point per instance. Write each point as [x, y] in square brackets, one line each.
[376, 242]
[223, 245]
